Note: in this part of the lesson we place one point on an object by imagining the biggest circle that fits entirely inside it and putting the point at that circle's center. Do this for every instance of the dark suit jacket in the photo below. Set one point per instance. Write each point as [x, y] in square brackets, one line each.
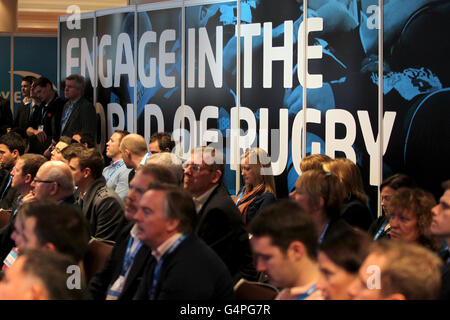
[8, 200]
[357, 214]
[191, 272]
[6, 243]
[103, 210]
[221, 227]
[82, 118]
[23, 119]
[99, 285]
[335, 226]
[445, 287]
[6, 118]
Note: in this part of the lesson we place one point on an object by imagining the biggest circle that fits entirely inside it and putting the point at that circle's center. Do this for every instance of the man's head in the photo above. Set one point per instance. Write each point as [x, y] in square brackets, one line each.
[144, 177]
[25, 86]
[38, 275]
[51, 226]
[85, 138]
[203, 170]
[25, 170]
[284, 239]
[43, 90]
[62, 144]
[397, 270]
[53, 181]
[113, 145]
[440, 225]
[164, 210]
[11, 147]
[161, 142]
[133, 148]
[74, 87]
[86, 167]
[171, 161]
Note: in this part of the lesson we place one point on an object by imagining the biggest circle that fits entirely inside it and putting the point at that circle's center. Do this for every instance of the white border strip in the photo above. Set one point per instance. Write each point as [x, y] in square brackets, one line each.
[83, 15]
[190, 3]
[105, 12]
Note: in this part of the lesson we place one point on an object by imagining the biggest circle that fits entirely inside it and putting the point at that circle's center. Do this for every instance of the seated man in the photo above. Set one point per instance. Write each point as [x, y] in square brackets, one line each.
[39, 275]
[134, 152]
[101, 206]
[161, 142]
[220, 224]
[67, 233]
[184, 266]
[285, 244]
[396, 270]
[120, 277]
[116, 174]
[440, 227]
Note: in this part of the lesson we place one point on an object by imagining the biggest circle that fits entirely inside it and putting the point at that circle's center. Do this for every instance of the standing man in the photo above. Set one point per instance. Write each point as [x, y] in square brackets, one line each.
[101, 206]
[78, 113]
[27, 106]
[11, 147]
[220, 224]
[134, 152]
[285, 244]
[6, 118]
[116, 174]
[120, 277]
[184, 268]
[440, 227]
[45, 121]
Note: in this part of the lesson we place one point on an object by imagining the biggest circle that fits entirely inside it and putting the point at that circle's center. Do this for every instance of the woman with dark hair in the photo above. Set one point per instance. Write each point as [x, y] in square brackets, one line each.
[259, 189]
[340, 257]
[380, 227]
[319, 193]
[410, 217]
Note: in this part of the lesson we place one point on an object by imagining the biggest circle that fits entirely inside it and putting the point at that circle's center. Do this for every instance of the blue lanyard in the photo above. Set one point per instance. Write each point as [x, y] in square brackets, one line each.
[7, 186]
[240, 197]
[308, 292]
[157, 272]
[115, 169]
[130, 255]
[323, 232]
[381, 231]
[144, 160]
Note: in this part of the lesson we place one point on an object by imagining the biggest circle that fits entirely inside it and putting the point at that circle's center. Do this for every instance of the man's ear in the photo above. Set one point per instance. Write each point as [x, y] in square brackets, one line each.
[172, 224]
[87, 172]
[28, 178]
[15, 153]
[217, 176]
[50, 246]
[297, 250]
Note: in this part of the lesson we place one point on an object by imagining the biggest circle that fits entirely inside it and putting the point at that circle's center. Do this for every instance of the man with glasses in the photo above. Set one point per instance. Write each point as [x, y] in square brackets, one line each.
[219, 221]
[53, 181]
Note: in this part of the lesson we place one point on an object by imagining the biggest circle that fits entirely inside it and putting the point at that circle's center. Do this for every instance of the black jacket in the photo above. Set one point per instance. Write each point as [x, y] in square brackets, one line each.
[82, 118]
[191, 272]
[103, 210]
[98, 287]
[221, 227]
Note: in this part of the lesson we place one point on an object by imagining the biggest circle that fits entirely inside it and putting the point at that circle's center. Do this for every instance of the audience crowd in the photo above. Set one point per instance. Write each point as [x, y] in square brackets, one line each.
[141, 223]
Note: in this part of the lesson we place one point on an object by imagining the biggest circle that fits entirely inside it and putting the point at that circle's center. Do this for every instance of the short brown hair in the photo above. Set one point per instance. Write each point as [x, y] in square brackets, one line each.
[410, 269]
[31, 163]
[92, 159]
[160, 173]
[165, 142]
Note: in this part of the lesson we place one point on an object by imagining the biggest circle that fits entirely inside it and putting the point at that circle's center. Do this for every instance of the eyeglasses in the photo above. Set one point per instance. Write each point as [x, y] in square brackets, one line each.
[194, 167]
[43, 181]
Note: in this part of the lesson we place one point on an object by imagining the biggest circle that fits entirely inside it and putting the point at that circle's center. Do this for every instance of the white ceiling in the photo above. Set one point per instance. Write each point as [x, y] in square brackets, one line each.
[42, 15]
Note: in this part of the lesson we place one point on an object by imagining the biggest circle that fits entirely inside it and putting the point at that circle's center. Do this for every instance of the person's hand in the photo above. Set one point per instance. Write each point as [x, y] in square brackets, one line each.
[41, 136]
[31, 131]
[28, 198]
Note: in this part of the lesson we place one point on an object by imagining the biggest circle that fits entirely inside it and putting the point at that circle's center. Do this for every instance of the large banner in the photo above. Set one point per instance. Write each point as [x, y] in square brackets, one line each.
[177, 66]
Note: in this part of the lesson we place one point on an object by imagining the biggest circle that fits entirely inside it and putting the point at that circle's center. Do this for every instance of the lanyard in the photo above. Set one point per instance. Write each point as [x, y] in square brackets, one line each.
[157, 272]
[115, 169]
[381, 231]
[130, 255]
[323, 232]
[7, 186]
[144, 160]
[308, 292]
[240, 197]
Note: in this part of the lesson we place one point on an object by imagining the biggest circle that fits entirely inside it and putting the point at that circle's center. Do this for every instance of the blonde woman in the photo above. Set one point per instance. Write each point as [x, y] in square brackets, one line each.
[259, 184]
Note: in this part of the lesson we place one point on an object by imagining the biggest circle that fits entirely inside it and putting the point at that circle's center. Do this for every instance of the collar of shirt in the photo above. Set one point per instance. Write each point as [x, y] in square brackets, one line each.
[200, 201]
[116, 163]
[72, 103]
[134, 231]
[26, 100]
[294, 292]
[159, 252]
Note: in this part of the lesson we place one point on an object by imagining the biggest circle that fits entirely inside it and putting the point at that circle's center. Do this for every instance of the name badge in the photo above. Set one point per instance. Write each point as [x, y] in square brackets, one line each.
[41, 128]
